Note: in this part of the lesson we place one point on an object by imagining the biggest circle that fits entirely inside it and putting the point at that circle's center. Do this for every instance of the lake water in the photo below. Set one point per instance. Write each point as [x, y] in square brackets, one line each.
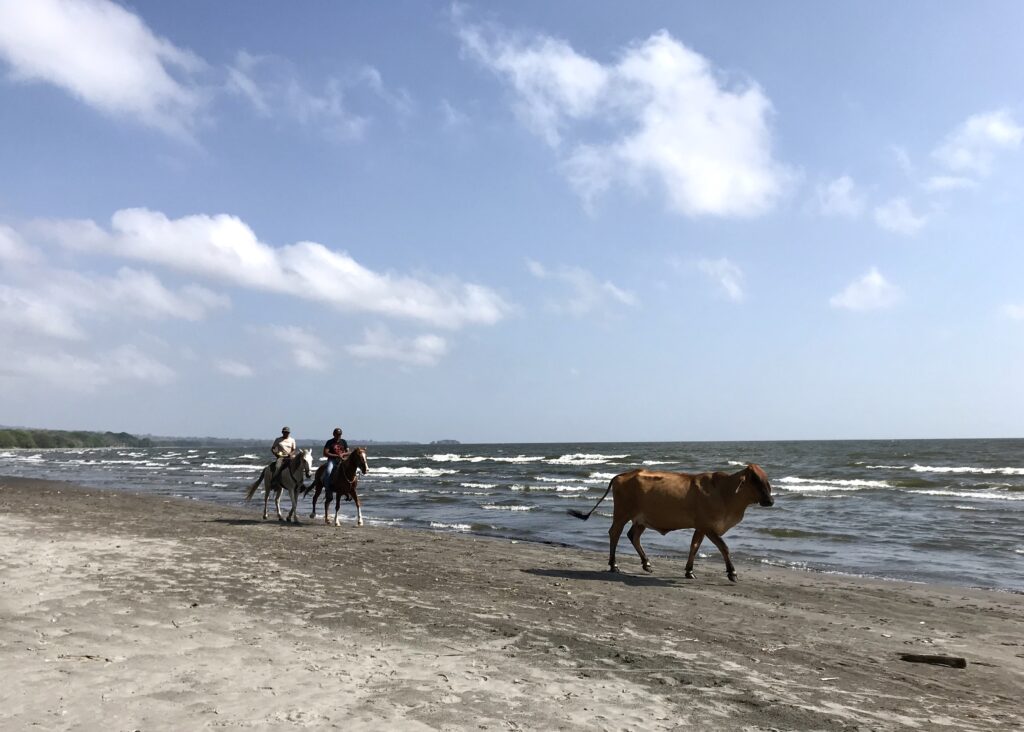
[949, 511]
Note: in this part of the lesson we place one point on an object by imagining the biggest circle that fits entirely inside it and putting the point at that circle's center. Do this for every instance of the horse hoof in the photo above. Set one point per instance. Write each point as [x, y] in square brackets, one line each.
[313, 515]
[359, 523]
[613, 568]
[648, 567]
[731, 576]
[690, 574]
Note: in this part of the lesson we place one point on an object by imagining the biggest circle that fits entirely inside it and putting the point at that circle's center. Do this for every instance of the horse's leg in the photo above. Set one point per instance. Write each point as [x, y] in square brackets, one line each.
[277, 501]
[317, 488]
[266, 497]
[293, 515]
[337, 507]
[359, 508]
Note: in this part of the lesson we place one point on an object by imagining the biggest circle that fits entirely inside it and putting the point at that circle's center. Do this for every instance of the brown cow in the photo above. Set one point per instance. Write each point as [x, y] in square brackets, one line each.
[709, 503]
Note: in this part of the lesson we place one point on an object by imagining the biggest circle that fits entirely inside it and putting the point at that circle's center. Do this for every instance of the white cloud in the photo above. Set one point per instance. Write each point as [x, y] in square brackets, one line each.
[58, 300]
[973, 146]
[1014, 311]
[938, 183]
[307, 349]
[380, 343]
[75, 373]
[726, 275]
[664, 112]
[26, 311]
[13, 248]
[840, 197]
[870, 292]
[897, 216]
[585, 292]
[104, 55]
[224, 249]
[233, 368]
[274, 89]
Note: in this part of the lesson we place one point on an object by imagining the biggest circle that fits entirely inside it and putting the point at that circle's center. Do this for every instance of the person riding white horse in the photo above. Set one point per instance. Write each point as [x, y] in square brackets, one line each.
[283, 449]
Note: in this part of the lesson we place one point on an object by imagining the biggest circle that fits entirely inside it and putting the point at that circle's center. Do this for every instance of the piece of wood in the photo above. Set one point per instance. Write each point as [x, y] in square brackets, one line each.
[952, 661]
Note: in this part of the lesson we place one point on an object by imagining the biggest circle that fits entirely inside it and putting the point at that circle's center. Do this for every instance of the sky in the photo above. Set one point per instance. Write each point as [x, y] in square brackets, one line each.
[513, 222]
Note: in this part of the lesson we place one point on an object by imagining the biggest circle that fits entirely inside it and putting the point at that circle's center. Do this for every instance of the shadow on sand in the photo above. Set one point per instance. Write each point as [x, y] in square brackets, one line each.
[633, 580]
[251, 522]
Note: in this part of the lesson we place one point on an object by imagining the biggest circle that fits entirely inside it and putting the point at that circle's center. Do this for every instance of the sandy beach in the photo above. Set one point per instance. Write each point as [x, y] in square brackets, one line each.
[124, 612]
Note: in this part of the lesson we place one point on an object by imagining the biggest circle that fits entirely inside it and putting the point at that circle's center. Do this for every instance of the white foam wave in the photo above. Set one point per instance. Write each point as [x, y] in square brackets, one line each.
[237, 466]
[966, 469]
[886, 467]
[426, 472]
[478, 485]
[248, 456]
[455, 527]
[838, 484]
[657, 462]
[974, 494]
[518, 459]
[453, 458]
[412, 490]
[602, 476]
[584, 458]
[495, 507]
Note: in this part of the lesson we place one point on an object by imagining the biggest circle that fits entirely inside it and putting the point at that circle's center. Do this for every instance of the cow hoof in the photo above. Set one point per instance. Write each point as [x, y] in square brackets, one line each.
[731, 576]
[690, 574]
[648, 567]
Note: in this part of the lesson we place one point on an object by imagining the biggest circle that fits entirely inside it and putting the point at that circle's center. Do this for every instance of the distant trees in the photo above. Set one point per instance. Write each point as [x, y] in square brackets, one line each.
[59, 438]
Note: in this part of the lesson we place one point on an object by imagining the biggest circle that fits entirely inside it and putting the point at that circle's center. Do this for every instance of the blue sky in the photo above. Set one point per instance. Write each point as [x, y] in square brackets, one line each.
[525, 221]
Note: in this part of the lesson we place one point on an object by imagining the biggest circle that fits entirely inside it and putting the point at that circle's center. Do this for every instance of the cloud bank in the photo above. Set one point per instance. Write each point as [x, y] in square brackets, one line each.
[224, 249]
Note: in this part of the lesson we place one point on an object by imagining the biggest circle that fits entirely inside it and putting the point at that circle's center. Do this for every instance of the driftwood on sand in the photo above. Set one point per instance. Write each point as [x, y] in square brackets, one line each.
[952, 661]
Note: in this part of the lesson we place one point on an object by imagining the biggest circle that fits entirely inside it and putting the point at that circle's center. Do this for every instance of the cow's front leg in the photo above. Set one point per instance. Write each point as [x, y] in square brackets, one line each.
[698, 537]
[730, 571]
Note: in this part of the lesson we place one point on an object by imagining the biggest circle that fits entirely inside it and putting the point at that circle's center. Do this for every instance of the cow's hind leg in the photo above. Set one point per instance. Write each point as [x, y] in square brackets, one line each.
[614, 532]
[730, 570]
[634, 536]
[698, 537]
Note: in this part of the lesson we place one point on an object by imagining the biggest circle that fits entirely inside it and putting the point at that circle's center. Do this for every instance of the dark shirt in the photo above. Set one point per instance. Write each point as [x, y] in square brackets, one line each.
[336, 446]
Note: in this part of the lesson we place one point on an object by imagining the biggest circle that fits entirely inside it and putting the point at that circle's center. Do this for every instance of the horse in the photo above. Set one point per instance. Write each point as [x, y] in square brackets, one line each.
[291, 476]
[344, 480]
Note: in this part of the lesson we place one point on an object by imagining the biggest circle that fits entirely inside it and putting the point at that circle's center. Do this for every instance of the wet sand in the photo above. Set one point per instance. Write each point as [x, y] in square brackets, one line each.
[124, 612]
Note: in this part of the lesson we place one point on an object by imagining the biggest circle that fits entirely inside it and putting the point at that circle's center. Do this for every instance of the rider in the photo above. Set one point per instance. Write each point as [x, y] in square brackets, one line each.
[335, 450]
[283, 449]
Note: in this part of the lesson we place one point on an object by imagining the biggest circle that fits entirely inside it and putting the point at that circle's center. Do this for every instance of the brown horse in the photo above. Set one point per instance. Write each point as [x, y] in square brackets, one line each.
[344, 480]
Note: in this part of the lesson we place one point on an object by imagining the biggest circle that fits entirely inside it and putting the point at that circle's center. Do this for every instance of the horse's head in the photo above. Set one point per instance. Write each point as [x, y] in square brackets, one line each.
[307, 462]
[360, 458]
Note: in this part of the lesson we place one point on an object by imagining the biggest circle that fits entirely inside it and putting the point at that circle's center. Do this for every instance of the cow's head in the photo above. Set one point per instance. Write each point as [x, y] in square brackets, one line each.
[756, 477]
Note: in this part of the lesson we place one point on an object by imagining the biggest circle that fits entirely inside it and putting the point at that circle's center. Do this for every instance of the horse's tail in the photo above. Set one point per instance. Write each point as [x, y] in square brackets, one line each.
[318, 482]
[255, 484]
[585, 516]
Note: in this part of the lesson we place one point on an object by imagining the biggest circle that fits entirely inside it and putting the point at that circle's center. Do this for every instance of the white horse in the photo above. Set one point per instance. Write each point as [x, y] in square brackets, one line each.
[291, 476]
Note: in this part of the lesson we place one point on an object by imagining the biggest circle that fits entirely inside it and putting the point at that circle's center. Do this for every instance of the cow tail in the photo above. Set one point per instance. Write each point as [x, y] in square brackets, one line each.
[585, 516]
[252, 488]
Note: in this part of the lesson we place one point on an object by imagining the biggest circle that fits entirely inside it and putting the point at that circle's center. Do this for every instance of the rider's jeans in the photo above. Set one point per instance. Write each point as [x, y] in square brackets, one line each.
[332, 463]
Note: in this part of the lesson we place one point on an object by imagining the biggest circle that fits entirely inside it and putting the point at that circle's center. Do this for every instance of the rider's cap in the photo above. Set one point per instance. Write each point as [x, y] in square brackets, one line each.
[286, 429]
[337, 430]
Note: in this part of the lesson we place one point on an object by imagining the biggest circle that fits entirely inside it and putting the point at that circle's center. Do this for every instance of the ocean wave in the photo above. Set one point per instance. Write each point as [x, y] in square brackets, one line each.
[478, 485]
[453, 458]
[517, 459]
[235, 466]
[657, 462]
[453, 527]
[966, 469]
[412, 490]
[424, 472]
[886, 467]
[795, 483]
[584, 458]
[497, 507]
[973, 494]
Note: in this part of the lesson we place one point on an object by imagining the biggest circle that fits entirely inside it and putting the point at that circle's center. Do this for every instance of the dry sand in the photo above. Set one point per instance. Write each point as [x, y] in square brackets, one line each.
[124, 612]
